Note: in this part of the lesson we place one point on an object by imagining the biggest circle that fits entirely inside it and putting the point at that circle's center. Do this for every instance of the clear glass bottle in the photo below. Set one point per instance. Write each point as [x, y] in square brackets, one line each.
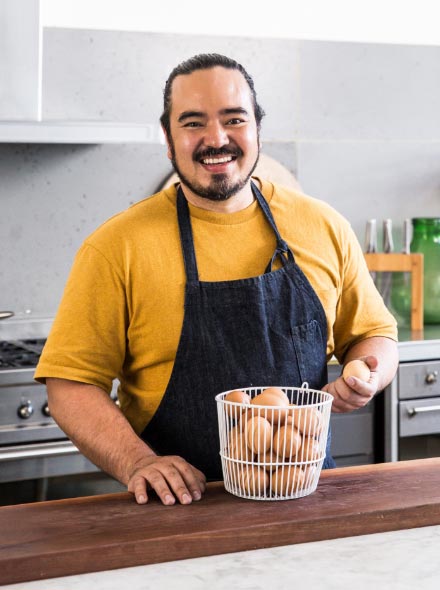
[426, 240]
[401, 285]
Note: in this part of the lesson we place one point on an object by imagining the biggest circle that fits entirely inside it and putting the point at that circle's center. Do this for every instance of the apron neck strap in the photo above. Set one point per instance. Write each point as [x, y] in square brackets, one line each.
[186, 238]
[282, 251]
[187, 241]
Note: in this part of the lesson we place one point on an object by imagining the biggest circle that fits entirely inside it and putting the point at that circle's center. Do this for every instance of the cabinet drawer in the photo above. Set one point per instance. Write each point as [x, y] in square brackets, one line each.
[352, 434]
[419, 416]
[418, 380]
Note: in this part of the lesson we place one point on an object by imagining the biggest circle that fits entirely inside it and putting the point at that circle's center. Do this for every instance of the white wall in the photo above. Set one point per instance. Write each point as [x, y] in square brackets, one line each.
[374, 21]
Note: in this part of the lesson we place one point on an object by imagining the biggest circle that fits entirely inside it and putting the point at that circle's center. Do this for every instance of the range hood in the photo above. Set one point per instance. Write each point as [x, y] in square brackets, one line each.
[21, 48]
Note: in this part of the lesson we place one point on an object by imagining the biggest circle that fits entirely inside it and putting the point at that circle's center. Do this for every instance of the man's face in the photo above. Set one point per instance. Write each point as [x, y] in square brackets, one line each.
[213, 143]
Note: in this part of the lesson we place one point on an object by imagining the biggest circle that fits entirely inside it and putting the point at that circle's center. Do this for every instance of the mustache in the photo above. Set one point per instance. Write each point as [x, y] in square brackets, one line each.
[213, 152]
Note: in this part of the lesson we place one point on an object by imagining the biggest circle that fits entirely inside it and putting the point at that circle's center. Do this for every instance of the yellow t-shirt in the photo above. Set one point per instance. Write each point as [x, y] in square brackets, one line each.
[122, 310]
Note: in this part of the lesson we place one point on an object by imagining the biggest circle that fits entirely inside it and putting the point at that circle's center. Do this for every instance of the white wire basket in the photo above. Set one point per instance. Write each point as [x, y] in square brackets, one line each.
[273, 449]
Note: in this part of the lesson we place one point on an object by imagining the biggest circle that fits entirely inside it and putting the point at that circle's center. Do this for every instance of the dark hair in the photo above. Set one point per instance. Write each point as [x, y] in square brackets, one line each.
[205, 61]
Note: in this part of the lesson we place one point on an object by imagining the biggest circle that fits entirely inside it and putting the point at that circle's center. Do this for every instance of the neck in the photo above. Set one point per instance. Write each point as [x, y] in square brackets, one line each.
[237, 202]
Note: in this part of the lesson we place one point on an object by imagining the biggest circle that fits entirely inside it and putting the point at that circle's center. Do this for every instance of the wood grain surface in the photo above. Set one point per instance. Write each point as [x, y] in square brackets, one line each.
[97, 533]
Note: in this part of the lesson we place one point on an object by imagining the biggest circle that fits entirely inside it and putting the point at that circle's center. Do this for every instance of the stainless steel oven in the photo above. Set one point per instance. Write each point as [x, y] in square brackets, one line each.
[32, 446]
[412, 411]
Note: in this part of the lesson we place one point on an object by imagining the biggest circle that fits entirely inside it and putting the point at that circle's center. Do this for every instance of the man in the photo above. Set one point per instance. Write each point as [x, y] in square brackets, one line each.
[218, 283]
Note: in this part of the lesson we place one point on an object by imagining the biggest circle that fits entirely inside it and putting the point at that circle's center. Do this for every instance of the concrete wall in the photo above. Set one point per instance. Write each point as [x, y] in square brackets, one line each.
[358, 124]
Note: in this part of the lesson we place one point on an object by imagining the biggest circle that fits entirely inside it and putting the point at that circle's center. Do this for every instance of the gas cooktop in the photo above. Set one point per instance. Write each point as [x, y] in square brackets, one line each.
[20, 354]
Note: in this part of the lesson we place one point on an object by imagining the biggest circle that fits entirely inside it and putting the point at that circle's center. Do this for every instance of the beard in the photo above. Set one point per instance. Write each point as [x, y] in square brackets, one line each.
[221, 188]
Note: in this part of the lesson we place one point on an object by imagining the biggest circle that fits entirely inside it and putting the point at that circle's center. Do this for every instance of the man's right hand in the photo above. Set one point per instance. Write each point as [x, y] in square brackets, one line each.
[170, 477]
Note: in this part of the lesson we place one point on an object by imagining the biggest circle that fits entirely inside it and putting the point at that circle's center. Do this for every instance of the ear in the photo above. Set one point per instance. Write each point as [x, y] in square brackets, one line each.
[169, 153]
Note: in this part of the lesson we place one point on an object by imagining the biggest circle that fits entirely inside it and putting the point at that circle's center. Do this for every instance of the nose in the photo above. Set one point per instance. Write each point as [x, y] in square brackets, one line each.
[216, 135]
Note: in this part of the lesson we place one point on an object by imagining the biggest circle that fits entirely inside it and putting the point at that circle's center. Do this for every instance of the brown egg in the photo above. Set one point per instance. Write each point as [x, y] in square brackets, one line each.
[253, 480]
[309, 421]
[239, 397]
[237, 447]
[287, 480]
[310, 473]
[310, 449]
[270, 460]
[356, 368]
[286, 441]
[246, 416]
[272, 411]
[278, 392]
[258, 434]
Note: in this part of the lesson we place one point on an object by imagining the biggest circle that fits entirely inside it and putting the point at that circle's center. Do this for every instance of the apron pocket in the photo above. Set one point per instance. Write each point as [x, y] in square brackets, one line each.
[310, 349]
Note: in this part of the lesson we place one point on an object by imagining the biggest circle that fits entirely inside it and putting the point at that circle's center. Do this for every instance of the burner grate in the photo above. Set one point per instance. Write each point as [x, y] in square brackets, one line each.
[20, 354]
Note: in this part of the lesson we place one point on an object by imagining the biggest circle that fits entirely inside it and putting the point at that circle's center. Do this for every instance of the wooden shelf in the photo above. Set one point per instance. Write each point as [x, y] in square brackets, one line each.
[413, 263]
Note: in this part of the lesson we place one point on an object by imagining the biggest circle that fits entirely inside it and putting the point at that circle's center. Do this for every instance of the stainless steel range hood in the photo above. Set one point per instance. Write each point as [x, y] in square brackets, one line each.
[21, 98]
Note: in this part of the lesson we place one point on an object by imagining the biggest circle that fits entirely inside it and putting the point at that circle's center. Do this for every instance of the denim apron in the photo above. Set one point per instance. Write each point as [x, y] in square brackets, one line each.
[265, 330]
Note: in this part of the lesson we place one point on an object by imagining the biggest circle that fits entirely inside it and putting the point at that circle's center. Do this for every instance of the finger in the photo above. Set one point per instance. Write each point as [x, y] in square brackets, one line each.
[343, 406]
[194, 479]
[168, 478]
[138, 486]
[359, 388]
[372, 361]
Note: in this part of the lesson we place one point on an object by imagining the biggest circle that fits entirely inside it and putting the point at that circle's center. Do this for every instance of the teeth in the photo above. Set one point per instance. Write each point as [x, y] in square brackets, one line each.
[217, 160]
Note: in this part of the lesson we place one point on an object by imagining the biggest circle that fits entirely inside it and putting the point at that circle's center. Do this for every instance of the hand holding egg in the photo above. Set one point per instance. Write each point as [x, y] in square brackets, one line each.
[356, 386]
[356, 368]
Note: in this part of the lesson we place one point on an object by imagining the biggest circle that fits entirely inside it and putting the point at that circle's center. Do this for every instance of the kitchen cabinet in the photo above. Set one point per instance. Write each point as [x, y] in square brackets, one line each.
[353, 434]
[410, 405]
[78, 132]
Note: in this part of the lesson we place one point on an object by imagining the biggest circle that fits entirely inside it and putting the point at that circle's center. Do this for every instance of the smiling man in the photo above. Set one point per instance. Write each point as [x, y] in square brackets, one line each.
[222, 281]
[212, 135]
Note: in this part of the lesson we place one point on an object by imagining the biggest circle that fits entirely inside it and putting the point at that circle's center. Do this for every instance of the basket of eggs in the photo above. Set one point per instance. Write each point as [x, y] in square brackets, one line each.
[273, 440]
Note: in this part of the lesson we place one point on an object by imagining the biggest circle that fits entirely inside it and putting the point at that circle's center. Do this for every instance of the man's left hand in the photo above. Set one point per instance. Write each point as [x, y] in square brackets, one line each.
[354, 393]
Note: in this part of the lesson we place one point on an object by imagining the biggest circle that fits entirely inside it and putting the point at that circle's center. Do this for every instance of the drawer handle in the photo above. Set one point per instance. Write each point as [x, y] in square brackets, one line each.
[413, 411]
[431, 377]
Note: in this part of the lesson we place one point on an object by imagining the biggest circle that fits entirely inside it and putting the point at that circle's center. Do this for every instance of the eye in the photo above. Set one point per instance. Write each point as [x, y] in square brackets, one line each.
[235, 121]
[192, 124]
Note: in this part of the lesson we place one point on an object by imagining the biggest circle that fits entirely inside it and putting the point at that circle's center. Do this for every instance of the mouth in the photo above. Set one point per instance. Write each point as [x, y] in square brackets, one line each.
[219, 160]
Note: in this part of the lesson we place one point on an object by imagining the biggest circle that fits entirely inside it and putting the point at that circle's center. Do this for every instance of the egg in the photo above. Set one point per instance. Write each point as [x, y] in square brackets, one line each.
[311, 472]
[356, 368]
[269, 460]
[253, 480]
[310, 450]
[309, 421]
[239, 397]
[272, 404]
[286, 441]
[246, 416]
[237, 447]
[258, 434]
[286, 480]
[277, 391]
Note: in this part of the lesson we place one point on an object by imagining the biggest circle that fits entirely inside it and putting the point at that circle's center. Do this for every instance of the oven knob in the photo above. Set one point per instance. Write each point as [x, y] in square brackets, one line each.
[26, 410]
[45, 409]
[431, 377]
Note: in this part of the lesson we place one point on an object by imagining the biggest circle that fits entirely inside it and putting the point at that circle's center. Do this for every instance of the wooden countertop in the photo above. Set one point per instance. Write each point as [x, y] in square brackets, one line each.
[65, 537]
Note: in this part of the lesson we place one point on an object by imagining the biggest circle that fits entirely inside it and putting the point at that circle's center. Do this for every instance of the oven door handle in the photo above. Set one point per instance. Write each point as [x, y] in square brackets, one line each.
[53, 449]
[413, 411]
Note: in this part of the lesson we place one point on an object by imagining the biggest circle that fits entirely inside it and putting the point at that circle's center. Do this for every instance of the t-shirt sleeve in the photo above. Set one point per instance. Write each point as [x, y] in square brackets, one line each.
[88, 338]
[361, 312]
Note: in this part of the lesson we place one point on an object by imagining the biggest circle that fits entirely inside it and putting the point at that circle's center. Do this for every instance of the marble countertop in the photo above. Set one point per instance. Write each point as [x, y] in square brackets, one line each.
[397, 560]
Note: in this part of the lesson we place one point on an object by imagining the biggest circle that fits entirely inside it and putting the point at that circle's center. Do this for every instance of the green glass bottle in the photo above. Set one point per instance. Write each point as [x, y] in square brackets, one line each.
[426, 240]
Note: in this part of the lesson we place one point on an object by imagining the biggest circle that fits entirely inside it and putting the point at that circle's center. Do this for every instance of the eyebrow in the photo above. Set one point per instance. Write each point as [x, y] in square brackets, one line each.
[199, 114]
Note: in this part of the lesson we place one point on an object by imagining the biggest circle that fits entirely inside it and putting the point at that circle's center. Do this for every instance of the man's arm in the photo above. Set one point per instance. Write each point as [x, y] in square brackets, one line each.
[101, 432]
[381, 356]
